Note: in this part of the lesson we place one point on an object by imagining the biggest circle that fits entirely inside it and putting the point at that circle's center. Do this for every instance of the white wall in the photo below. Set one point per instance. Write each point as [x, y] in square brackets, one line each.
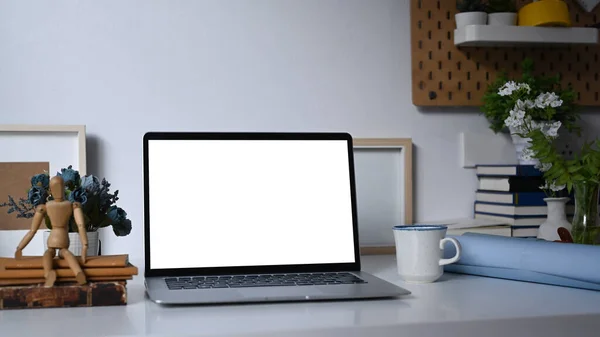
[124, 67]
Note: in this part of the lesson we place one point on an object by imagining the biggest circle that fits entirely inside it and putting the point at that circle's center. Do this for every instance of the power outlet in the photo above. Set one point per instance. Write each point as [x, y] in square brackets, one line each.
[566, 149]
[568, 145]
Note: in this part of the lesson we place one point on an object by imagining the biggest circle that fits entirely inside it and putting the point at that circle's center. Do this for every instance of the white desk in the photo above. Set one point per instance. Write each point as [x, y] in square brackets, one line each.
[457, 305]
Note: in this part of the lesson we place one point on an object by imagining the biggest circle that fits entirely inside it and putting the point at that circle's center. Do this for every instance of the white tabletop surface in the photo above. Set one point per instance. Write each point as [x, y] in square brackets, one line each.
[456, 305]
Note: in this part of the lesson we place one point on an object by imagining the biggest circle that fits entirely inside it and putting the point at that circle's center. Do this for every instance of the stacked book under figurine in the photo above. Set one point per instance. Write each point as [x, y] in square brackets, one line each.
[22, 282]
[512, 194]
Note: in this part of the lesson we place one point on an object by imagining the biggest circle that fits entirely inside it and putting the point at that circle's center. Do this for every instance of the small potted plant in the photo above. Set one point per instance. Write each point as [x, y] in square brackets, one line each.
[541, 98]
[502, 12]
[470, 12]
[97, 202]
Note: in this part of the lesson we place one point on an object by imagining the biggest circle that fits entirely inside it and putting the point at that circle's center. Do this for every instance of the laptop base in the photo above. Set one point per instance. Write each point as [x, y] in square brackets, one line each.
[373, 287]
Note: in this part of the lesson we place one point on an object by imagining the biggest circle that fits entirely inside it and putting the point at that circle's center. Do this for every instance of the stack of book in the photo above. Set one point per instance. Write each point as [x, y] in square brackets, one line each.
[511, 194]
[22, 282]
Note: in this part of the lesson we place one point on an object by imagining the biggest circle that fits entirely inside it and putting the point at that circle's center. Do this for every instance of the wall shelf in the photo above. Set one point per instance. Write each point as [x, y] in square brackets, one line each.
[510, 36]
[447, 73]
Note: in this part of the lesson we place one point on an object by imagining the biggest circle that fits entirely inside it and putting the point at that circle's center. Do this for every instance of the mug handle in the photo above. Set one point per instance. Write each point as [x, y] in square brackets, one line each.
[458, 251]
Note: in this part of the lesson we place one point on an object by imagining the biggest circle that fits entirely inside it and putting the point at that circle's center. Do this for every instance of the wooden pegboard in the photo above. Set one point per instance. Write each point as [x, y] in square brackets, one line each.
[445, 75]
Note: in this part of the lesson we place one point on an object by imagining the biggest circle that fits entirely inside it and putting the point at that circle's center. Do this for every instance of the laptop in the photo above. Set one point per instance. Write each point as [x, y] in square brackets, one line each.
[234, 217]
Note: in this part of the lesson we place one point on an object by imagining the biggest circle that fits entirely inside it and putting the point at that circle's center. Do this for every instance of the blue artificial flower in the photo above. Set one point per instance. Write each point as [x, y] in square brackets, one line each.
[71, 177]
[91, 184]
[123, 228]
[107, 199]
[116, 215]
[37, 195]
[78, 195]
[41, 180]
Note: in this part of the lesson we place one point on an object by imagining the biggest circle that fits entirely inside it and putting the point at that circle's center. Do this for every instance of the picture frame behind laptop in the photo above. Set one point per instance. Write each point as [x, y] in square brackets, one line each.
[379, 161]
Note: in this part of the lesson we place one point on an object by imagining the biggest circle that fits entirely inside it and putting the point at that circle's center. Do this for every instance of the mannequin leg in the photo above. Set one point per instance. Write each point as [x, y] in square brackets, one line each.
[49, 273]
[74, 265]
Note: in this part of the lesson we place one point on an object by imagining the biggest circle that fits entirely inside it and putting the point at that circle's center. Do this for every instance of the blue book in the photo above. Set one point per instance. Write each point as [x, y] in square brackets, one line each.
[516, 210]
[507, 170]
[514, 216]
[515, 198]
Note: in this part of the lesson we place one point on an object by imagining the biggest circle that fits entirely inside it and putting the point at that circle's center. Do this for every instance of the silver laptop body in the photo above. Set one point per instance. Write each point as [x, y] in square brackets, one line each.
[252, 217]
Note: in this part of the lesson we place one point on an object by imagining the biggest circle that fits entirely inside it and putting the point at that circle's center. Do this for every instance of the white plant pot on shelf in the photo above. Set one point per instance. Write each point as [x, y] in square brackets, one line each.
[502, 19]
[556, 218]
[75, 245]
[470, 18]
[522, 145]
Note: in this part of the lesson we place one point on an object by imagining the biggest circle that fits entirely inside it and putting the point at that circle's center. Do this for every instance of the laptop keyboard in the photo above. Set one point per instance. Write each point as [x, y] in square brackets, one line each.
[263, 280]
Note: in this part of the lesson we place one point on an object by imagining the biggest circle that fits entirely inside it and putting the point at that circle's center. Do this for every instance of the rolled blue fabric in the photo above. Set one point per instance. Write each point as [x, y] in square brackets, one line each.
[521, 275]
[500, 256]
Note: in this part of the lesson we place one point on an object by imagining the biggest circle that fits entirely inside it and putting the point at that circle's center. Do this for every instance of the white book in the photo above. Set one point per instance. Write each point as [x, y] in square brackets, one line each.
[494, 184]
[502, 198]
[511, 209]
[502, 230]
[512, 221]
[511, 184]
[467, 223]
[525, 232]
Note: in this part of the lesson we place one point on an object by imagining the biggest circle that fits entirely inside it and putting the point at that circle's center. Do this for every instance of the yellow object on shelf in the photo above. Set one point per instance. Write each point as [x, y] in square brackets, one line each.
[549, 13]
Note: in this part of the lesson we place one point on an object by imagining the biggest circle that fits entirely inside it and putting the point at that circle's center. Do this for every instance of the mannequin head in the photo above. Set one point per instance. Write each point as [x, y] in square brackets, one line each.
[57, 188]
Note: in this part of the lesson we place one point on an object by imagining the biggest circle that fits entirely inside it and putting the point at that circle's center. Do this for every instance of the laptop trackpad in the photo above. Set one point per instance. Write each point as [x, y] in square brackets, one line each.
[280, 292]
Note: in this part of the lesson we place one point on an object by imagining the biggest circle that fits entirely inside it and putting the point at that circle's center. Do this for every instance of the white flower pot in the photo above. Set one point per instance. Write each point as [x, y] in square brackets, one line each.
[75, 245]
[470, 18]
[502, 19]
[556, 218]
[522, 146]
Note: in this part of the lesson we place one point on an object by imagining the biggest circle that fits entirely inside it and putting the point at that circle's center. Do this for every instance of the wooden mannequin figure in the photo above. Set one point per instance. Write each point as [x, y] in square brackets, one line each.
[59, 212]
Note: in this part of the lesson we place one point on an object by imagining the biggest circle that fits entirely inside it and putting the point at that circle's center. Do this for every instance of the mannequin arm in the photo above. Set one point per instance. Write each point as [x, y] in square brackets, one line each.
[38, 217]
[80, 221]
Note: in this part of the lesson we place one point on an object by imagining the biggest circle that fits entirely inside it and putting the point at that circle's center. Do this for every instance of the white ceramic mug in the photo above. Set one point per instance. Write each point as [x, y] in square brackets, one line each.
[419, 252]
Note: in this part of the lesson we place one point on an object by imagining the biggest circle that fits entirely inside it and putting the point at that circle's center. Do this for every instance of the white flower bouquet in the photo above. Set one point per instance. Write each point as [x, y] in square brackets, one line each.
[541, 99]
[521, 123]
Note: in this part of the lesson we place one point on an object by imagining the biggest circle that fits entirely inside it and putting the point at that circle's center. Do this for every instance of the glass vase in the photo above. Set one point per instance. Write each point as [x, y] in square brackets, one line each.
[586, 229]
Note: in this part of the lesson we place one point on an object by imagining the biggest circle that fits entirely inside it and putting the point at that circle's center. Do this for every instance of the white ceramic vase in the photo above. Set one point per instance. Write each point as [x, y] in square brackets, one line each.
[521, 145]
[470, 18]
[502, 19]
[557, 217]
[75, 245]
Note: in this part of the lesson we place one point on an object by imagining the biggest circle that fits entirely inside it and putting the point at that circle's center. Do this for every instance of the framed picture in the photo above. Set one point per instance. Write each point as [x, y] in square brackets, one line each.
[27, 150]
[59, 145]
[384, 188]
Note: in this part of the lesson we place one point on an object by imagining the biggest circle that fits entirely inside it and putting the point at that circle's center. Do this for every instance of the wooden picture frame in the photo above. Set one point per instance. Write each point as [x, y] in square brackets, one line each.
[52, 135]
[396, 146]
[59, 145]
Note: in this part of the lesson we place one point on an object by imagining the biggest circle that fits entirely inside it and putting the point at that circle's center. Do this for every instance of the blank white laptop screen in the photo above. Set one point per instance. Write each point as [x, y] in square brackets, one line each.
[228, 203]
